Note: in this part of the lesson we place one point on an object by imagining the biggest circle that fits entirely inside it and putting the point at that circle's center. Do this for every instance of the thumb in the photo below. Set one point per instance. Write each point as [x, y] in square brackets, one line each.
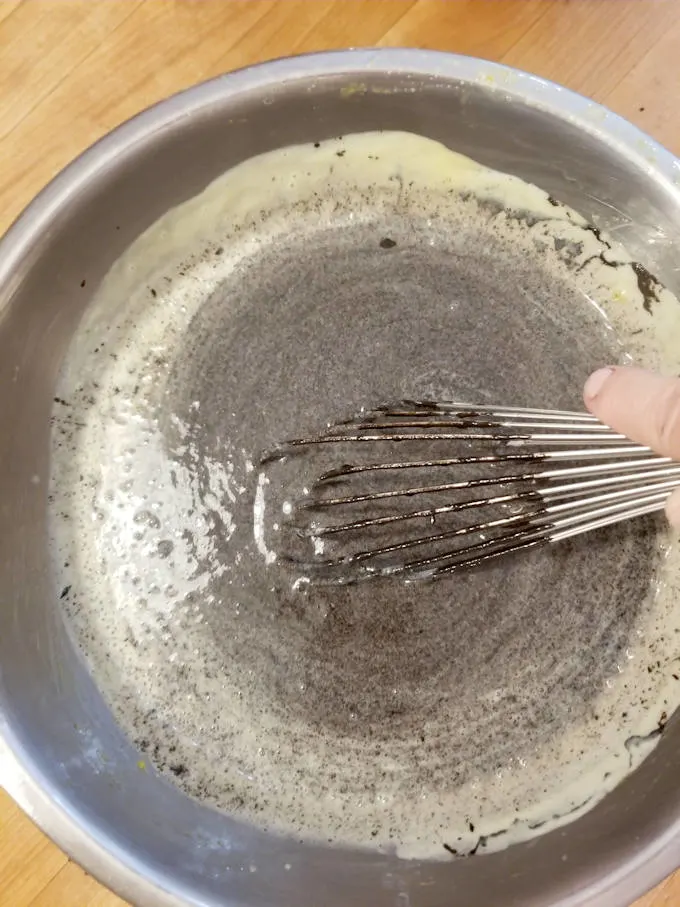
[643, 406]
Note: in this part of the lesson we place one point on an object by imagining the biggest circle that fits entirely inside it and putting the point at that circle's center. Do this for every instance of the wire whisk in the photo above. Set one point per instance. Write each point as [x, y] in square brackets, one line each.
[423, 489]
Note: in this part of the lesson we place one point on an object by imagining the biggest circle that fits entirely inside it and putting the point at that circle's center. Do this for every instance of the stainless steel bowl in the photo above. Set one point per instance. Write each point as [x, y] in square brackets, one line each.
[61, 755]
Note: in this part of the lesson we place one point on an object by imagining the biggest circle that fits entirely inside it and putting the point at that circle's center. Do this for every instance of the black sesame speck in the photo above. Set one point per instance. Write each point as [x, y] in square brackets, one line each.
[387, 243]
[648, 286]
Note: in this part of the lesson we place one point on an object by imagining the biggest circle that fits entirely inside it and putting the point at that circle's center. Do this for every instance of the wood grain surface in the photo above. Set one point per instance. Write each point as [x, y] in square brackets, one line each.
[71, 70]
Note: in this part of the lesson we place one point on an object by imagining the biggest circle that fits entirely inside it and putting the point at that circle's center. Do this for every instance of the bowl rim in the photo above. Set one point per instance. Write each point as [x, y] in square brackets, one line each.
[19, 776]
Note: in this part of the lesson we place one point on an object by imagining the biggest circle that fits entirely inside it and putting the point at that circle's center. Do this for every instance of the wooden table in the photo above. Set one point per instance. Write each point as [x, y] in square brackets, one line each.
[71, 70]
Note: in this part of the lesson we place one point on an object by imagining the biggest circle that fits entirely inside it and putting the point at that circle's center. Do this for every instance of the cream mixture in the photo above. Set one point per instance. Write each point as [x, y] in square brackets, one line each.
[226, 673]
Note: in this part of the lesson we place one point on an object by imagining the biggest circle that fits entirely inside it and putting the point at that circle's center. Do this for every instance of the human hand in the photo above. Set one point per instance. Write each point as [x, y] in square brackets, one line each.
[643, 406]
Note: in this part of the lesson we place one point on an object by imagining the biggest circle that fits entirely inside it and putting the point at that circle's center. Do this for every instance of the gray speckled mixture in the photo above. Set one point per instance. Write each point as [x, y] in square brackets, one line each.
[380, 714]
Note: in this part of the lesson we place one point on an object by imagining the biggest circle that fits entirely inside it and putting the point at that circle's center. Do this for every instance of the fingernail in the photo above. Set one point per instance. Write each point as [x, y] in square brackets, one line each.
[596, 382]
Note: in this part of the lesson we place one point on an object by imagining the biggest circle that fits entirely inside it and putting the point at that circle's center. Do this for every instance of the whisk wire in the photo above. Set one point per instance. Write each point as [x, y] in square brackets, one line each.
[519, 478]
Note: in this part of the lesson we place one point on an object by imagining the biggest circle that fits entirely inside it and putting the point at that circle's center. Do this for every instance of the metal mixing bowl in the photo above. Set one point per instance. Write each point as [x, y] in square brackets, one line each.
[61, 755]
